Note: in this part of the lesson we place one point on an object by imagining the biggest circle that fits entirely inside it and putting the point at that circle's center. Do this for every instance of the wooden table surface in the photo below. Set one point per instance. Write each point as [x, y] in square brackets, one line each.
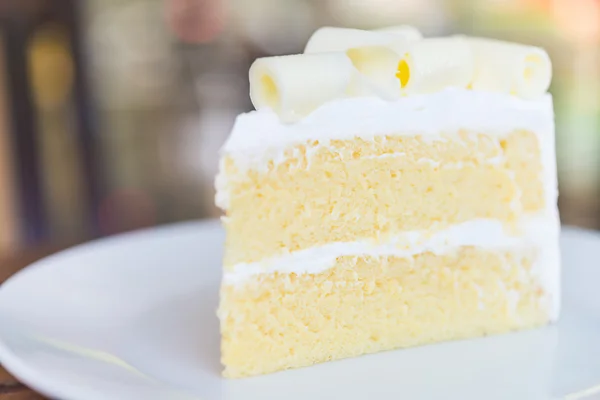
[10, 389]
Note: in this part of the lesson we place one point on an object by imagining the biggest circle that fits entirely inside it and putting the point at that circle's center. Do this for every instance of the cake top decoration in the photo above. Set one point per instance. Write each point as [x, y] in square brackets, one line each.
[391, 63]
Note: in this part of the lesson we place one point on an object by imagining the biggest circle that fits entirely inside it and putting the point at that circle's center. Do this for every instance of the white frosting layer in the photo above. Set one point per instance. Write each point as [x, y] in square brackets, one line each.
[540, 232]
[260, 136]
[484, 233]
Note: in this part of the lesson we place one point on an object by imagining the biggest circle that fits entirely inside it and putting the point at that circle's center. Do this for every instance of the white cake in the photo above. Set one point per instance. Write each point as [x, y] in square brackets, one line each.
[359, 219]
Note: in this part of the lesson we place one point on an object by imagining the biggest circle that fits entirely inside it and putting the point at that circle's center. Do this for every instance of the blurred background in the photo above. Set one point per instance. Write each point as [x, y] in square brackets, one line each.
[112, 111]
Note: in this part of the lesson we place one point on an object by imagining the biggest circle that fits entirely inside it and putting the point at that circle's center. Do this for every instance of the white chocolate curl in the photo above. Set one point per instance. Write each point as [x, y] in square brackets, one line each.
[293, 86]
[525, 71]
[431, 65]
[341, 39]
[361, 86]
[409, 33]
[378, 66]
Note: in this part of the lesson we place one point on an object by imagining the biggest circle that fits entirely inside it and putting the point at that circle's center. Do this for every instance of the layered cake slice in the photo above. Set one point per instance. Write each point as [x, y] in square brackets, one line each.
[389, 191]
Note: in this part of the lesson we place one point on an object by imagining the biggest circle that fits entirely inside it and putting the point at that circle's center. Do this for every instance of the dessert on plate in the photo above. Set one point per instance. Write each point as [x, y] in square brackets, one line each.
[390, 191]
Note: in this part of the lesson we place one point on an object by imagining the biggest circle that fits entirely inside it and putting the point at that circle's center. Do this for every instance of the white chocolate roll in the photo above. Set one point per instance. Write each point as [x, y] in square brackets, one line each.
[293, 86]
[525, 71]
[409, 33]
[360, 86]
[377, 66]
[432, 65]
[330, 39]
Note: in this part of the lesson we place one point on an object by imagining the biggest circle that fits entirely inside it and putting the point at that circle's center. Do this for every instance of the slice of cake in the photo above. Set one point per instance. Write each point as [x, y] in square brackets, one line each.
[389, 191]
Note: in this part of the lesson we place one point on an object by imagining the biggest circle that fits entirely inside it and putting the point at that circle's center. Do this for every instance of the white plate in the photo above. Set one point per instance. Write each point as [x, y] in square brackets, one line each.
[133, 317]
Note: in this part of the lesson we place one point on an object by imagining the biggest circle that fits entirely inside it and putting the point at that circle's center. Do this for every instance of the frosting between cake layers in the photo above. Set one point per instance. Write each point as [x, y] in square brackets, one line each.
[540, 232]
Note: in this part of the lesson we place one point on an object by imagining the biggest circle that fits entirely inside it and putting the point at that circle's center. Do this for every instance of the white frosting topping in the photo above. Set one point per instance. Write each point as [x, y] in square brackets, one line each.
[260, 136]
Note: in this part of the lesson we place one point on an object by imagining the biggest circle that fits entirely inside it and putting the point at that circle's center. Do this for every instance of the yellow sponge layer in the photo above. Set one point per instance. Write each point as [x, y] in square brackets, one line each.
[355, 189]
[367, 304]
